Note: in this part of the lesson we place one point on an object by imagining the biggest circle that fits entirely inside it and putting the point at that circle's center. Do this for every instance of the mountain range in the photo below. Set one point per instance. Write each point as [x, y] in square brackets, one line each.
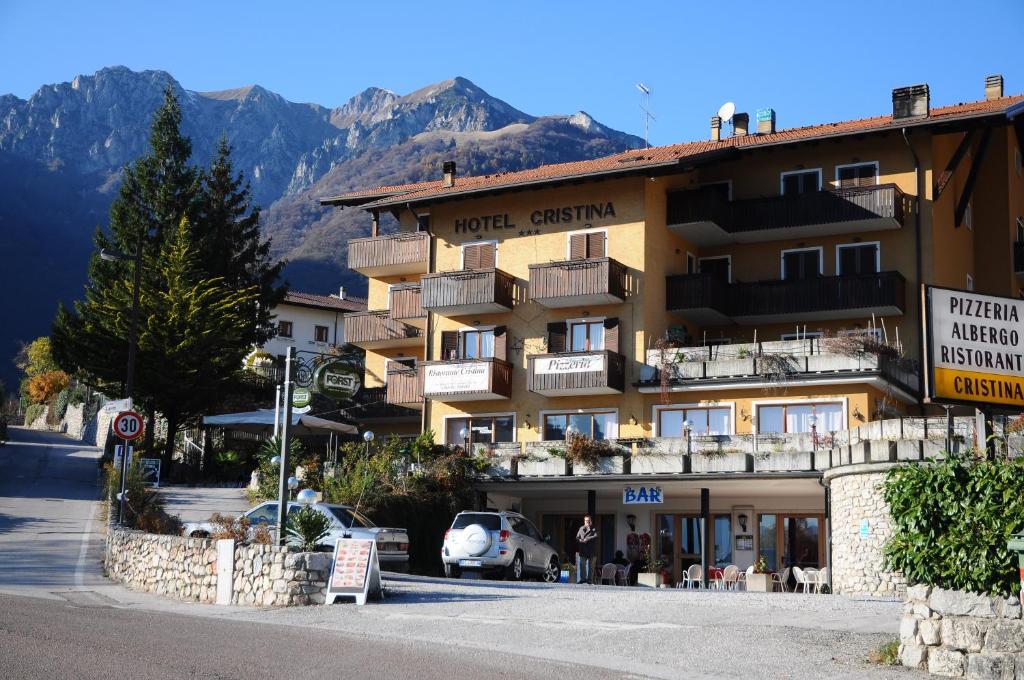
[62, 151]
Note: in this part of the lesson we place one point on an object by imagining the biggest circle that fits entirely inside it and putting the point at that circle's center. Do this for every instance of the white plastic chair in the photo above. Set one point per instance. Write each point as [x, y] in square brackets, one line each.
[692, 577]
[801, 579]
[730, 577]
[741, 580]
[781, 580]
[822, 579]
[608, 572]
[811, 575]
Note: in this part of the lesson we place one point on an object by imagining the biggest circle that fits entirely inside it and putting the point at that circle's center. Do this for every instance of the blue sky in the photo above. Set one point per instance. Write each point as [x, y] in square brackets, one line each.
[811, 61]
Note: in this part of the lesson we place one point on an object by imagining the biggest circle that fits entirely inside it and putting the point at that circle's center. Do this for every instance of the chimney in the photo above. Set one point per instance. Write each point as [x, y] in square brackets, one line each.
[716, 129]
[449, 173]
[341, 293]
[765, 121]
[993, 87]
[740, 124]
[912, 101]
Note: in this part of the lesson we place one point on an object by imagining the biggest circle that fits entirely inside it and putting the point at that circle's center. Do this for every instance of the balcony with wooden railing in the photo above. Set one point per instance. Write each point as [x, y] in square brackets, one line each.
[376, 330]
[403, 386]
[706, 217]
[573, 283]
[406, 304]
[470, 291]
[402, 253]
[577, 373]
[707, 299]
[466, 379]
[372, 407]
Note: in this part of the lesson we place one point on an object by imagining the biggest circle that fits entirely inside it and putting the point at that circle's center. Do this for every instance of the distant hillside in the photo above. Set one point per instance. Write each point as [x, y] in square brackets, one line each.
[61, 152]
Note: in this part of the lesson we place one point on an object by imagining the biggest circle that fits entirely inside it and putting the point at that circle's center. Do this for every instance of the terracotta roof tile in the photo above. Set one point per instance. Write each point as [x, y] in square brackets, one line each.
[348, 304]
[665, 155]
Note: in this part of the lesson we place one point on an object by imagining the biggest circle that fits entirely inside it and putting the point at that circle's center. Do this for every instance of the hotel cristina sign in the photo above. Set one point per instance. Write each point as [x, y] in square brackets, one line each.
[471, 376]
[974, 346]
[586, 363]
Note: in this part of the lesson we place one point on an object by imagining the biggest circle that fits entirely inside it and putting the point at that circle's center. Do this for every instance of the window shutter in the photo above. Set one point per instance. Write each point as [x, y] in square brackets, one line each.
[449, 344]
[471, 257]
[556, 337]
[486, 256]
[500, 348]
[577, 246]
[595, 244]
[611, 335]
[866, 175]
[847, 178]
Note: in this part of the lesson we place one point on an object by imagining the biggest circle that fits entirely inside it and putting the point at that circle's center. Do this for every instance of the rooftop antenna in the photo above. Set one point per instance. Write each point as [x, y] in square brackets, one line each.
[726, 111]
[646, 108]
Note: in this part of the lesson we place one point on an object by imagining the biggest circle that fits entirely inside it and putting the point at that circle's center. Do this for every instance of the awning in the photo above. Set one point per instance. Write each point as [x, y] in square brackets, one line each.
[263, 421]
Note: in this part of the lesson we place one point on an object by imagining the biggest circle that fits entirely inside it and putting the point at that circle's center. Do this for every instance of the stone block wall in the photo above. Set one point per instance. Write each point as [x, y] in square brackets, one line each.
[856, 558]
[956, 634]
[187, 569]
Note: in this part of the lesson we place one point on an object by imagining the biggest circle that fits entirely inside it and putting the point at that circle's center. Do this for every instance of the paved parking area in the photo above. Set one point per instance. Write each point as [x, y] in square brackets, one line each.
[196, 504]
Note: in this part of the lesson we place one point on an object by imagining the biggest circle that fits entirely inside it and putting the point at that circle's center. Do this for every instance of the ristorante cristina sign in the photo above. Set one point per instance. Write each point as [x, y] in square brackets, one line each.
[448, 378]
[975, 351]
[538, 218]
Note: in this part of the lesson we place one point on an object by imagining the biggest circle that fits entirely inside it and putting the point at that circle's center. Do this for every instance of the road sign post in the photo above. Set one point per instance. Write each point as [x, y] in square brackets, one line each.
[127, 426]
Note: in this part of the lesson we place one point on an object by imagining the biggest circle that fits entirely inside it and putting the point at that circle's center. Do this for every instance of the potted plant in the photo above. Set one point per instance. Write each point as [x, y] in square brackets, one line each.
[651, 570]
[761, 580]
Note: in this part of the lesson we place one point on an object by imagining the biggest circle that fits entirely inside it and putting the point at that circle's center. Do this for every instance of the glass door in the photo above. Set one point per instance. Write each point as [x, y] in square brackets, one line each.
[801, 541]
[678, 542]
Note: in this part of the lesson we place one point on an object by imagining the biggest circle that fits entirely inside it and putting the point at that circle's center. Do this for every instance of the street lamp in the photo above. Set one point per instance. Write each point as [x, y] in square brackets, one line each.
[133, 334]
[276, 460]
[293, 484]
[368, 437]
[571, 431]
[306, 497]
[687, 428]
[812, 420]
[464, 434]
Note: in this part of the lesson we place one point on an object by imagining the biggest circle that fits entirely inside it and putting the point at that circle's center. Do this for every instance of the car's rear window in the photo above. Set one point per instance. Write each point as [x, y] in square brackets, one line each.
[350, 518]
[489, 522]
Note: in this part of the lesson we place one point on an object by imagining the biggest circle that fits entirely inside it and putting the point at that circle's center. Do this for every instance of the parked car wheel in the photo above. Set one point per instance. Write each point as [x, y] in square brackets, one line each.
[514, 571]
[452, 571]
[199, 534]
[553, 571]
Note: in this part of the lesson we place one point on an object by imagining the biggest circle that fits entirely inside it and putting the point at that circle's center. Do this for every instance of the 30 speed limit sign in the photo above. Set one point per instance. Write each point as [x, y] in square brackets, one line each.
[128, 425]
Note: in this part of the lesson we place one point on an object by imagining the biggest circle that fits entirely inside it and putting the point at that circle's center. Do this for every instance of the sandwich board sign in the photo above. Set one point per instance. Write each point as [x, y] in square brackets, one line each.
[974, 348]
[355, 571]
[150, 469]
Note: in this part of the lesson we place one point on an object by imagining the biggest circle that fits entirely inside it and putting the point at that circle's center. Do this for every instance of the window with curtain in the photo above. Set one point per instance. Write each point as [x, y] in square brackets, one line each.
[593, 425]
[792, 418]
[586, 336]
[477, 344]
[705, 421]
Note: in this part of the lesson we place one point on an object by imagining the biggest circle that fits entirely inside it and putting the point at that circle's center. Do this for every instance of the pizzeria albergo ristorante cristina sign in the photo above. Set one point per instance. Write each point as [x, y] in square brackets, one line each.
[975, 347]
[452, 378]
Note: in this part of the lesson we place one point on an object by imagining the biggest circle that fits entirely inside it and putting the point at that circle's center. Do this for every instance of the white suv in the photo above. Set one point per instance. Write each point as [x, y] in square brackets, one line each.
[503, 542]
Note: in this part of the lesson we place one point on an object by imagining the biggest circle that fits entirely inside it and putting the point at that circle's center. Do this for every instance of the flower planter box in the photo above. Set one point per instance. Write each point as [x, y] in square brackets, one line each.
[759, 583]
[725, 462]
[649, 580]
[542, 467]
[785, 461]
[730, 367]
[655, 463]
[607, 465]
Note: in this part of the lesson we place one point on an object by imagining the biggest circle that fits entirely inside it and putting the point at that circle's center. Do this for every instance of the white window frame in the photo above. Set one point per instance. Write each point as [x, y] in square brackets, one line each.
[569, 235]
[462, 252]
[782, 178]
[584, 319]
[757, 403]
[658, 408]
[782, 259]
[470, 416]
[878, 170]
[716, 257]
[878, 253]
[614, 434]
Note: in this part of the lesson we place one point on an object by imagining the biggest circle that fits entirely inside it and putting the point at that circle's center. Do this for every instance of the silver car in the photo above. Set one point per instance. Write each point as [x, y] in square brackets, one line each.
[346, 522]
[502, 542]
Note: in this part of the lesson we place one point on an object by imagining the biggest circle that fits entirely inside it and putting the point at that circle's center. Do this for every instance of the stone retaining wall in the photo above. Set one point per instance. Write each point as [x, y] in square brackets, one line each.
[187, 569]
[956, 634]
[857, 505]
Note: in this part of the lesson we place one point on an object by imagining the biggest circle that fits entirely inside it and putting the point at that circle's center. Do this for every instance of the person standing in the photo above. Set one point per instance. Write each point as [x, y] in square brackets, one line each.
[586, 545]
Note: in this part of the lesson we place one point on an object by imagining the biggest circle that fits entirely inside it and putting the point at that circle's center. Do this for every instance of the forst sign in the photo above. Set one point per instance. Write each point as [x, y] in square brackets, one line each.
[974, 348]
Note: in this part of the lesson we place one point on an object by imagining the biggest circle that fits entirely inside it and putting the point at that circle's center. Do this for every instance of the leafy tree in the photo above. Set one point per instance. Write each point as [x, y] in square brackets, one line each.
[36, 357]
[44, 387]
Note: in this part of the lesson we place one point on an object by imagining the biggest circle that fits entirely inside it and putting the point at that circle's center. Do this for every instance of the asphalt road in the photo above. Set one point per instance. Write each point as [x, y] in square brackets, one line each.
[48, 639]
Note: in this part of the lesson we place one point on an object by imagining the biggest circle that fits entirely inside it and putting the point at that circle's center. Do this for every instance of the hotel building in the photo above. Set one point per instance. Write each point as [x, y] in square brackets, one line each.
[725, 311]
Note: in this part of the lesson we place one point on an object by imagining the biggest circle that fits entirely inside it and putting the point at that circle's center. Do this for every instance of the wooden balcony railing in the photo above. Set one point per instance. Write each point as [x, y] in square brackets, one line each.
[881, 206]
[374, 406]
[466, 379]
[406, 302]
[472, 291]
[403, 385]
[570, 283]
[826, 296]
[404, 253]
[577, 373]
[377, 329]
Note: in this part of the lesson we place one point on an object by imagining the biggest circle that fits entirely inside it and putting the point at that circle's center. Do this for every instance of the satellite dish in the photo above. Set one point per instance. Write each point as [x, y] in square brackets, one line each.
[725, 111]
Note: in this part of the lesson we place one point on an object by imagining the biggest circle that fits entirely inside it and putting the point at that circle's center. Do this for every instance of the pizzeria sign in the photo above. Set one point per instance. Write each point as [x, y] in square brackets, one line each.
[585, 363]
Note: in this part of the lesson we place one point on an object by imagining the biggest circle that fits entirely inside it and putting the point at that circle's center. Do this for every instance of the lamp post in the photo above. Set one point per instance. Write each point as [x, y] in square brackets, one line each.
[571, 431]
[687, 429]
[133, 334]
[464, 434]
[812, 420]
[293, 484]
[368, 437]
